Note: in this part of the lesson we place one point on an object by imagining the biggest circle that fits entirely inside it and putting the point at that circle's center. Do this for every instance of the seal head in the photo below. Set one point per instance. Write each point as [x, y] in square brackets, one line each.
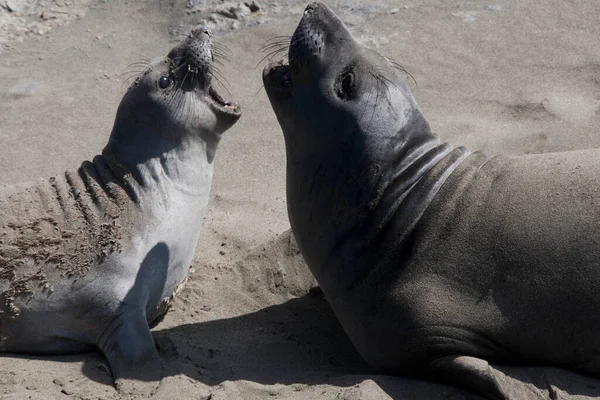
[175, 98]
[351, 127]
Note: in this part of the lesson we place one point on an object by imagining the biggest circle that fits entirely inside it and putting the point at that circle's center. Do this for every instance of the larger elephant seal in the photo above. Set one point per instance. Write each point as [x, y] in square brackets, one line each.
[89, 258]
[434, 259]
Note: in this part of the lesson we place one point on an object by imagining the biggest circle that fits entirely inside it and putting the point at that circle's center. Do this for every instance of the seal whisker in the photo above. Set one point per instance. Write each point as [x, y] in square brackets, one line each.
[181, 95]
[285, 40]
[273, 54]
[284, 43]
[216, 78]
[176, 69]
[400, 68]
[377, 81]
[217, 55]
[221, 45]
[259, 89]
[220, 74]
[386, 82]
[278, 49]
[127, 75]
[275, 44]
[280, 37]
[136, 70]
[221, 52]
[269, 46]
[270, 56]
[394, 64]
[132, 76]
[370, 94]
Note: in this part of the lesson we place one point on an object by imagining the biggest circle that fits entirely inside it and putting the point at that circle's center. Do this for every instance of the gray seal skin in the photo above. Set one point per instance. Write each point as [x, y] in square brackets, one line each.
[90, 258]
[435, 259]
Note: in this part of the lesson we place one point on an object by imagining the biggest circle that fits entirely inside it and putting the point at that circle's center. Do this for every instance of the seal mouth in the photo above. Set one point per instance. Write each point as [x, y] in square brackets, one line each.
[221, 104]
[278, 75]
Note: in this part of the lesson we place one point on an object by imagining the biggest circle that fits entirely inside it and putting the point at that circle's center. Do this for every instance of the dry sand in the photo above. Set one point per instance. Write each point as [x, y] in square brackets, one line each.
[503, 76]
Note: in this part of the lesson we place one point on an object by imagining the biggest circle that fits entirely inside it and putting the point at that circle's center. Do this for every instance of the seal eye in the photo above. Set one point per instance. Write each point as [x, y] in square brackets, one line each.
[347, 85]
[164, 82]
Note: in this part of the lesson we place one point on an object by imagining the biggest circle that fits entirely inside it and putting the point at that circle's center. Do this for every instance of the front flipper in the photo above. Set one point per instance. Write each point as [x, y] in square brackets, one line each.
[469, 373]
[131, 353]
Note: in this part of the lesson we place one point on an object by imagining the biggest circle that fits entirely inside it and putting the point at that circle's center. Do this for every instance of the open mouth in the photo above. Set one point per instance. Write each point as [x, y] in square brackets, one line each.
[218, 100]
[280, 75]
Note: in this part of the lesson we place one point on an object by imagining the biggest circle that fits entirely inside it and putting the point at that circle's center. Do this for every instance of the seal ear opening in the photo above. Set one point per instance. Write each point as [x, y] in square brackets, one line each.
[345, 86]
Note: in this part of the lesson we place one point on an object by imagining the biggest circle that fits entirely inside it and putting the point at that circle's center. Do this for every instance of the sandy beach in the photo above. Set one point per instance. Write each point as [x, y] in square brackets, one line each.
[501, 76]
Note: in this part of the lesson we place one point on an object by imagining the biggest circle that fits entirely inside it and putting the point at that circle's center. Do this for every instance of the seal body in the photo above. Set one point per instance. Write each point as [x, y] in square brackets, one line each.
[90, 258]
[435, 259]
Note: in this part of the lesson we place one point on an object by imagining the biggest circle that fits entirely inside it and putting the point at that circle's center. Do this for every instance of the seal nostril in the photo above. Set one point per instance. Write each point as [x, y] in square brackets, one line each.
[309, 8]
[206, 31]
[202, 29]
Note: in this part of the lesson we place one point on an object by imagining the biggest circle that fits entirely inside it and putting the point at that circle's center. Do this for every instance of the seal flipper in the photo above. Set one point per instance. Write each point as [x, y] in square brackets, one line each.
[129, 348]
[470, 373]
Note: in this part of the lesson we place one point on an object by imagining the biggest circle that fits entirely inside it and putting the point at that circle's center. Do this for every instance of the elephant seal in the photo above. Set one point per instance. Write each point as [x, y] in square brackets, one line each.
[90, 258]
[434, 259]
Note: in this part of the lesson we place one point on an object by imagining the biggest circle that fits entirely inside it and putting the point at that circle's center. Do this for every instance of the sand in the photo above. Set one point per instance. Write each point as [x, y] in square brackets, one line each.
[502, 76]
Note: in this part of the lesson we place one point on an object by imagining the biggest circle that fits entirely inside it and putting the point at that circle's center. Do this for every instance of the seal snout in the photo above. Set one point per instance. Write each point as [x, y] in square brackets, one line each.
[277, 75]
[307, 42]
[192, 66]
[317, 38]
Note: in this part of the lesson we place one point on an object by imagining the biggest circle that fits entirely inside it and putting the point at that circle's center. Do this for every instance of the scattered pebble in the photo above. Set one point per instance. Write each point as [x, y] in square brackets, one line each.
[195, 4]
[493, 7]
[254, 6]
[59, 382]
[23, 7]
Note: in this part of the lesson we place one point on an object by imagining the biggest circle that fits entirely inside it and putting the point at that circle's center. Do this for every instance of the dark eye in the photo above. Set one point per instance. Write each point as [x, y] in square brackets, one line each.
[164, 82]
[346, 85]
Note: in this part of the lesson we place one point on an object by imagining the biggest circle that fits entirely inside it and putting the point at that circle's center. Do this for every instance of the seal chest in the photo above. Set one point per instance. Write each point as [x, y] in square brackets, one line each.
[89, 258]
[435, 260]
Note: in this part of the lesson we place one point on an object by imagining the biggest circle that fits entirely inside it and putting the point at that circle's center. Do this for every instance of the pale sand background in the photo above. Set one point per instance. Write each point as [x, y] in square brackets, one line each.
[504, 76]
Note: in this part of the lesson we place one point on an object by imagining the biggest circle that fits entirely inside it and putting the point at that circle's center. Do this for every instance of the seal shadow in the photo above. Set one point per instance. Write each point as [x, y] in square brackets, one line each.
[276, 344]
[297, 342]
[300, 341]
[149, 284]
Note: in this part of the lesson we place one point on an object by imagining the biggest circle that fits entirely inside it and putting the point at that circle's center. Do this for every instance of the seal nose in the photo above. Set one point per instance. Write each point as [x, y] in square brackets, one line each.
[202, 29]
[309, 8]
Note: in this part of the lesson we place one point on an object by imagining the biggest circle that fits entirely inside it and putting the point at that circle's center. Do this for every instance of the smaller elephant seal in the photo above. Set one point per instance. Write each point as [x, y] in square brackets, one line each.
[436, 260]
[90, 258]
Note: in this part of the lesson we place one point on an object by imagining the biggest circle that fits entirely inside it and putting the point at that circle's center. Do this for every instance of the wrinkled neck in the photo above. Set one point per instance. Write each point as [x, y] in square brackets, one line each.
[350, 209]
[184, 165]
